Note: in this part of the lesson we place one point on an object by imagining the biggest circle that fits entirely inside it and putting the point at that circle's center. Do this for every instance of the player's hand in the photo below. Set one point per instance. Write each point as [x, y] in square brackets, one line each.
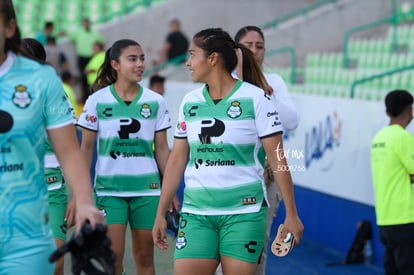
[159, 235]
[70, 213]
[293, 225]
[86, 211]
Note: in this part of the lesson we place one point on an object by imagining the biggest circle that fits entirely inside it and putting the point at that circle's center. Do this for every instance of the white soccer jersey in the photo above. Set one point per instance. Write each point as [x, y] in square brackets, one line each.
[125, 165]
[224, 175]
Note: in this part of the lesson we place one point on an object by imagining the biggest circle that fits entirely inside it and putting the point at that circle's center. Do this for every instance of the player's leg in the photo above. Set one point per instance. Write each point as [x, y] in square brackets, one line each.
[58, 202]
[242, 239]
[115, 210]
[197, 244]
[141, 217]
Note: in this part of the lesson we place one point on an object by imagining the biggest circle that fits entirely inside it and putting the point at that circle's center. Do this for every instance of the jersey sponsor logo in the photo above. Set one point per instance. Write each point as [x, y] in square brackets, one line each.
[11, 167]
[210, 150]
[210, 128]
[128, 126]
[181, 241]
[154, 185]
[213, 163]
[234, 111]
[249, 200]
[129, 143]
[115, 154]
[52, 179]
[192, 112]
[91, 118]
[181, 126]
[249, 245]
[145, 110]
[6, 122]
[21, 98]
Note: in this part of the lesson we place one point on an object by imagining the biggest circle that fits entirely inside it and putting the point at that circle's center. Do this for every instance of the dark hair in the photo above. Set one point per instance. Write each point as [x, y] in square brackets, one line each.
[219, 41]
[49, 25]
[106, 74]
[156, 79]
[66, 76]
[8, 13]
[33, 49]
[242, 32]
[397, 101]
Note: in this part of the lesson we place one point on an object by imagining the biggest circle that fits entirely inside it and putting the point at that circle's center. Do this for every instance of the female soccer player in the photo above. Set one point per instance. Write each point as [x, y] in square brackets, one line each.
[32, 101]
[127, 120]
[221, 127]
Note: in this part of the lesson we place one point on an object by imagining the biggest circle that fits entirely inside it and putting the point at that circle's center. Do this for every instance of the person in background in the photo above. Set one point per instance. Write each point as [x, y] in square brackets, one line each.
[252, 37]
[36, 104]
[84, 38]
[55, 56]
[98, 58]
[220, 128]
[47, 31]
[126, 120]
[392, 167]
[67, 81]
[156, 84]
[176, 43]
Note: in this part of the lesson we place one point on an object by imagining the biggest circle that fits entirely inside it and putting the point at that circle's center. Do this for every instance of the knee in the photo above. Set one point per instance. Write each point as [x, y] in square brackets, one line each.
[144, 260]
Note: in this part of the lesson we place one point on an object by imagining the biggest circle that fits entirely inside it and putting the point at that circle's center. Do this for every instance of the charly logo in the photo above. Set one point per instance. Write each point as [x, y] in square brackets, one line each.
[145, 110]
[234, 111]
[21, 98]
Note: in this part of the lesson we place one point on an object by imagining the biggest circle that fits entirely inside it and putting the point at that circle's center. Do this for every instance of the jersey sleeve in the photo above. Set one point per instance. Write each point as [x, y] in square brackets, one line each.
[57, 111]
[163, 117]
[407, 152]
[89, 116]
[266, 117]
[181, 128]
[288, 112]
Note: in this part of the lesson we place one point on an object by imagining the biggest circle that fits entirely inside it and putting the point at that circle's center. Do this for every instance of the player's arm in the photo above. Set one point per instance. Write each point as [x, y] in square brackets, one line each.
[174, 171]
[88, 145]
[66, 146]
[162, 151]
[412, 178]
[273, 147]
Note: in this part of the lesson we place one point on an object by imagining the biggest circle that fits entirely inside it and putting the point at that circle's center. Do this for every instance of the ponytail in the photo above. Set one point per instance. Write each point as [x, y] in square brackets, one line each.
[106, 74]
[251, 71]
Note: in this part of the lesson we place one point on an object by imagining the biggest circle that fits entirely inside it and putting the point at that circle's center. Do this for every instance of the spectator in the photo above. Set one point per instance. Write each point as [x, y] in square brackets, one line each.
[55, 57]
[156, 84]
[67, 81]
[98, 58]
[392, 165]
[84, 39]
[176, 43]
[47, 31]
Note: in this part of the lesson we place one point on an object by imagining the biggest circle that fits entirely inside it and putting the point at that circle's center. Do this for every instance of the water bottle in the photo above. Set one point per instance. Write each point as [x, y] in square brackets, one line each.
[368, 253]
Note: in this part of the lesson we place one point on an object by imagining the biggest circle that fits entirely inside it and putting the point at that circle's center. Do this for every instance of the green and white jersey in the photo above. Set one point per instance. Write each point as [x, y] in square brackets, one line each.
[125, 164]
[32, 100]
[224, 175]
[51, 160]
